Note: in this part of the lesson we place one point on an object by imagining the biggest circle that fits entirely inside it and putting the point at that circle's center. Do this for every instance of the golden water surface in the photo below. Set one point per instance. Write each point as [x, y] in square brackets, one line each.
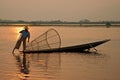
[63, 66]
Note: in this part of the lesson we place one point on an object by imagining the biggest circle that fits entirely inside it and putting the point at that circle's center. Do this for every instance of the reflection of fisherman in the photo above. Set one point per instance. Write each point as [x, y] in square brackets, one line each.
[24, 35]
[23, 63]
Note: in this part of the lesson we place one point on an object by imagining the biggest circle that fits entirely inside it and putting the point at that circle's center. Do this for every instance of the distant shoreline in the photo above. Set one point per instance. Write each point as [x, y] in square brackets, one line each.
[66, 25]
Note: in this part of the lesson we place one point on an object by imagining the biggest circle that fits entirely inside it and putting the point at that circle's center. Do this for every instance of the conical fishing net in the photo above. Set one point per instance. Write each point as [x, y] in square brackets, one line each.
[48, 40]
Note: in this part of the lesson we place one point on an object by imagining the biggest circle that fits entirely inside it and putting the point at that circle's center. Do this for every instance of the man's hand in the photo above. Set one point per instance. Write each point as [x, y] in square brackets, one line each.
[28, 41]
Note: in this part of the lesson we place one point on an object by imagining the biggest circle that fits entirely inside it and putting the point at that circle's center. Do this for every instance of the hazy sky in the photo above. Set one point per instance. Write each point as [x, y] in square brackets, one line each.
[66, 10]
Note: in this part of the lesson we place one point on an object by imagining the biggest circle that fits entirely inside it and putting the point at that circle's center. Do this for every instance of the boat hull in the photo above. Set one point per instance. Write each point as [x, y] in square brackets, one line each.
[76, 48]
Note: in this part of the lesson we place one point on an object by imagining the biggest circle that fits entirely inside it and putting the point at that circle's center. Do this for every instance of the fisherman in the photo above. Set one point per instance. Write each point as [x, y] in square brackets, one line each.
[23, 37]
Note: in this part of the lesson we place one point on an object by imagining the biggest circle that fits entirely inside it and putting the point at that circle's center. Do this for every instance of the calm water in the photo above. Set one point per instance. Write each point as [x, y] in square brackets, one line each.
[63, 66]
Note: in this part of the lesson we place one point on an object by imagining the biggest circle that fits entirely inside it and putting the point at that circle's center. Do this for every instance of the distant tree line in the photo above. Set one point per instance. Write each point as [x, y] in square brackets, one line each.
[81, 22]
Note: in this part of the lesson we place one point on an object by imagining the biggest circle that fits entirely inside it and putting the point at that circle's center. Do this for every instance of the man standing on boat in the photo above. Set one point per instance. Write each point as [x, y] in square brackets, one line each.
[23, 37]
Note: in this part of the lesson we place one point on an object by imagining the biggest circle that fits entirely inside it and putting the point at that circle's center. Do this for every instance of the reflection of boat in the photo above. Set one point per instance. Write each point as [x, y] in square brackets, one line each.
[76, 48]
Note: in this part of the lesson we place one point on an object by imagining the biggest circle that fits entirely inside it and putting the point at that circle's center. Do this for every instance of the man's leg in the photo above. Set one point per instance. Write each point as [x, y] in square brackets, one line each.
[24, 44]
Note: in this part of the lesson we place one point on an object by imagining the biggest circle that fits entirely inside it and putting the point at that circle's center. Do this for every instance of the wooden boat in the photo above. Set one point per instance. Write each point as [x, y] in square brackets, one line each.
[76, 48]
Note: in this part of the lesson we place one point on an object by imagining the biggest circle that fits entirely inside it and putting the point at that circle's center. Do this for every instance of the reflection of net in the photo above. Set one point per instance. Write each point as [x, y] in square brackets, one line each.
[52, 61]
[48, 40]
